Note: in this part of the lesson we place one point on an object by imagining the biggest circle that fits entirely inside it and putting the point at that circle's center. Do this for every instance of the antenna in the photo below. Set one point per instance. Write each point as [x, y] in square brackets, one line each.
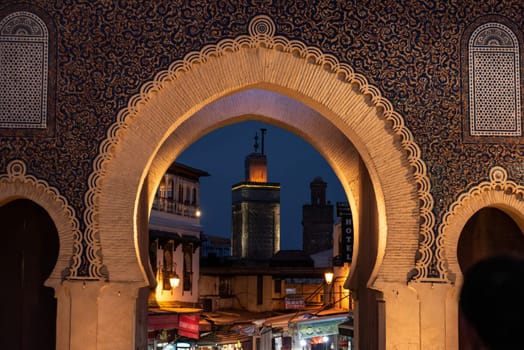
[263, 132]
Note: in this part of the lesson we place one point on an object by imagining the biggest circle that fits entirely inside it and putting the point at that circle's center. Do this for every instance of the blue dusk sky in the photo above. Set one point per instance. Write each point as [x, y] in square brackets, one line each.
[292, 162]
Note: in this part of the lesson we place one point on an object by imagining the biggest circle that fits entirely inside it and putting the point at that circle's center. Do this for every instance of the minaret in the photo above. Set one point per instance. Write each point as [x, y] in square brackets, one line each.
[317, 220]
[255, 210]
[256, 163]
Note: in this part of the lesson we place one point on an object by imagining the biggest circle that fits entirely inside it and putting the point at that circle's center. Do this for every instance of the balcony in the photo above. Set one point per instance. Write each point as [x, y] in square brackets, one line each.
[171, 206]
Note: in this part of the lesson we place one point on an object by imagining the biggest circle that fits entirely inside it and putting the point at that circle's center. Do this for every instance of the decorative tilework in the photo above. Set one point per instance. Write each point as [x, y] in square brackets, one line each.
[101, 52]
[23, 71]
[494, 82]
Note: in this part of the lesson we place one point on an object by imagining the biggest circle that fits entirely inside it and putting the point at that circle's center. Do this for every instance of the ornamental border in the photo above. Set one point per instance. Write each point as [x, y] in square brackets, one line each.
[261, 31]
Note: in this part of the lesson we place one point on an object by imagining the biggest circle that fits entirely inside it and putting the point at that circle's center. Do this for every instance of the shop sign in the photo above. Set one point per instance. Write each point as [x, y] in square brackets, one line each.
[295, 303]
[318, 328]
[188, 325]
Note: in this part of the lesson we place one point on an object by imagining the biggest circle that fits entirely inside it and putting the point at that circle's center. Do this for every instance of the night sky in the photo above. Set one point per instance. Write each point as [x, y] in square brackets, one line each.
[292, 162]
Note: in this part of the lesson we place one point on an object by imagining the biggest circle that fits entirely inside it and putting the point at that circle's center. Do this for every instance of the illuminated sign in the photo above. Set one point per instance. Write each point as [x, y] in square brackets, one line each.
[346, 223]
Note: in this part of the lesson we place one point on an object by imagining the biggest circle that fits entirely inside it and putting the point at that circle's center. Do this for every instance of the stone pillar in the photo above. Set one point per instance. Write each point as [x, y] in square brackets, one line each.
[420, 316]
[100, 315]
[117, 316]
[77, 314]
[63, 316]
[400, 316]
[438, 316]
[356, 324]
[452, 317]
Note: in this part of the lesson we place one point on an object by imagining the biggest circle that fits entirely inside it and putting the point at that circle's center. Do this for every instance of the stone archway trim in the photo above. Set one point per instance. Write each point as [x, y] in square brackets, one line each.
[16, 184]
[261, 34]
[499, 192]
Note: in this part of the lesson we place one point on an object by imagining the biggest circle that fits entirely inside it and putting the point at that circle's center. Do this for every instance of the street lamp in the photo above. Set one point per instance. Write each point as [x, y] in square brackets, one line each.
[174, 280]
[328, 276]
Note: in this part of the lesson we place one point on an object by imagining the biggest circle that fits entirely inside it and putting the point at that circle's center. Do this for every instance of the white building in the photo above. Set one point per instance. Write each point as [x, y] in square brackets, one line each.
[174, 236]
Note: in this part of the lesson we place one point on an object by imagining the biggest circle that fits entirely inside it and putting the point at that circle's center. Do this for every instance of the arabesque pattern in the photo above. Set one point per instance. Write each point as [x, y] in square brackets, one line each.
[261, 31]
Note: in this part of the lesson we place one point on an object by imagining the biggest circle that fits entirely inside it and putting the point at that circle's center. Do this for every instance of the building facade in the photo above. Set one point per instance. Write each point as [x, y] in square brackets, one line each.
[417, 106]
[174, 255]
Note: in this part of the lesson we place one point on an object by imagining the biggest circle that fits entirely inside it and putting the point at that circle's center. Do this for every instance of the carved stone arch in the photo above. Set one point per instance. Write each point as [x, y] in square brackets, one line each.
[291, 68]
[17, 184]
[499, 192]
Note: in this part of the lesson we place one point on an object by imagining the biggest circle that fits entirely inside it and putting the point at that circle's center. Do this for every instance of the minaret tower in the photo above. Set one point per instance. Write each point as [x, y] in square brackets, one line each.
[317, 219]
[255, 210]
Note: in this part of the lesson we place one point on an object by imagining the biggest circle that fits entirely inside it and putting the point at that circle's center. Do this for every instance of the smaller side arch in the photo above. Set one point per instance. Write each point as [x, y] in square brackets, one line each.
[498, 192]
[16, 184]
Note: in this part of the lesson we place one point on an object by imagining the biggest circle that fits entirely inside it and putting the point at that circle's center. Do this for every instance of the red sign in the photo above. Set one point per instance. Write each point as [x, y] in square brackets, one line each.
[188, 325]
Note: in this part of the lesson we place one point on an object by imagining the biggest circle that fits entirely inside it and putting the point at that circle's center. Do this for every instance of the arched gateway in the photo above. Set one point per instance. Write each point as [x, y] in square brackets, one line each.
[312, 94]
[403, 272]
[77, 161]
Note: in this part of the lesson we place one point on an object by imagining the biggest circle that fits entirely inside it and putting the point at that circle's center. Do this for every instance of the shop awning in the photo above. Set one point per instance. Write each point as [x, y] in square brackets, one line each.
[319, 326]
[222, 337]
[346, 328]
[186, 321]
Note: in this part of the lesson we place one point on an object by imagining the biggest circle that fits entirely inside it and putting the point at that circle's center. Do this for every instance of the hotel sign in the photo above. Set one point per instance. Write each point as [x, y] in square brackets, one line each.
[346, 222]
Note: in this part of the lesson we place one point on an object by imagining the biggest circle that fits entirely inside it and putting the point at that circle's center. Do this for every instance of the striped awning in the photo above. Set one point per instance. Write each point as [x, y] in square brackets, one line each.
[221, 338]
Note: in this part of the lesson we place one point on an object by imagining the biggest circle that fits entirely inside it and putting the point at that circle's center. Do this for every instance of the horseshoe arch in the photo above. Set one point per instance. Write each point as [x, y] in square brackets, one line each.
[264, 61]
